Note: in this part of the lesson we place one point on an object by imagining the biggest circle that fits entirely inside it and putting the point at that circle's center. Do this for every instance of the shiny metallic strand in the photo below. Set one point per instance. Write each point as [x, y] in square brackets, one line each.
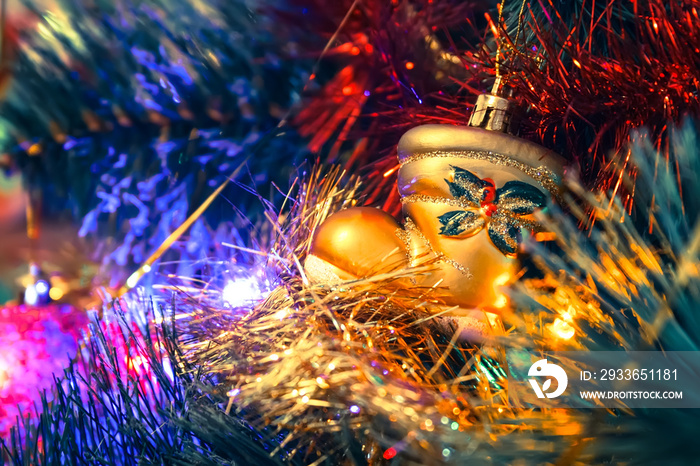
[592, 71]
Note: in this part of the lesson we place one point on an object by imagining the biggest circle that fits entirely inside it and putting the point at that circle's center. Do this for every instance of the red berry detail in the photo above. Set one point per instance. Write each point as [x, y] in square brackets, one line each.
[489, 209]
[489, 195]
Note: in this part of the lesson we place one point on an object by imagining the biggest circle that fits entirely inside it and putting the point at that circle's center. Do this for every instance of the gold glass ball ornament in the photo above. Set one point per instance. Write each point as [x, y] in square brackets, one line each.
[356, 243]
[468, 193]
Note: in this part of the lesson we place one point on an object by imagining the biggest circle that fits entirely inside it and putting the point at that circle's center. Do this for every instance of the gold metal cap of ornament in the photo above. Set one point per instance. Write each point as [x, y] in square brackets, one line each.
[496, 113]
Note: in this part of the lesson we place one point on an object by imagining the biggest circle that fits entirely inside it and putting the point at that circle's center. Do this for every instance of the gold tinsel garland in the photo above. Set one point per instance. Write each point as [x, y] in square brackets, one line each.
[364, 360]
[366, 371]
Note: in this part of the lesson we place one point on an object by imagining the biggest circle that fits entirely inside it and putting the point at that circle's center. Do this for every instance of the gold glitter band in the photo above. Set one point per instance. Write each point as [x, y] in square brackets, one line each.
[411, 228]
[543, 175]
[458, 202]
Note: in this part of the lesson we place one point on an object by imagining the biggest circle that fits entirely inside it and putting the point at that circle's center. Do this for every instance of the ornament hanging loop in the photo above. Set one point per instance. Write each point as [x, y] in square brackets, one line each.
[497, 111]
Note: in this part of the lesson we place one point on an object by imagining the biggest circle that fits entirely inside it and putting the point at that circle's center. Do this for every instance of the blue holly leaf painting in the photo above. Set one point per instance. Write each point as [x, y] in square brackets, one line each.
[505, 235]
[456, 222]
[502, 210]
[465, 185]
[520, 198]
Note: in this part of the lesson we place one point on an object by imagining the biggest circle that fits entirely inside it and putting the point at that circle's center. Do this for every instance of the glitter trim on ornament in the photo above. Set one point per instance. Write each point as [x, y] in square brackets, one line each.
[543, 175]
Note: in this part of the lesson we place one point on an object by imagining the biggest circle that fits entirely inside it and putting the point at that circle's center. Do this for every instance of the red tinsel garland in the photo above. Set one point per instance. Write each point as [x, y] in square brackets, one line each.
[587, 81]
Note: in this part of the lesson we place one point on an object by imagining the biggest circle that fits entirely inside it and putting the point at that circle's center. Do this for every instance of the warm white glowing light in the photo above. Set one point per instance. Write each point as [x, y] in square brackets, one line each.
[501, 302]
[562, 329]
[241, 291]
[281, 314]
[55, 293]
[502, 279]
[30, 295]
[133, 279]
[41, 288]
[36, 293]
